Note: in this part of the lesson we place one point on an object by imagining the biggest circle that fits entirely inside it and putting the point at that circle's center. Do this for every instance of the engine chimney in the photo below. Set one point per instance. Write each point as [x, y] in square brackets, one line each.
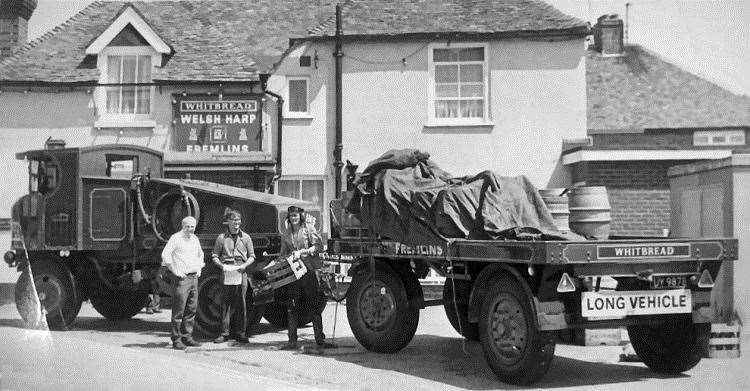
[14, 24]
[608, 35]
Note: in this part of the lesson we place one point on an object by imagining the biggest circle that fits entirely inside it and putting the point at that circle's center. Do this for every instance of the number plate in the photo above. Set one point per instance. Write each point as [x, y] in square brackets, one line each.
[668, 282]
[624, 303]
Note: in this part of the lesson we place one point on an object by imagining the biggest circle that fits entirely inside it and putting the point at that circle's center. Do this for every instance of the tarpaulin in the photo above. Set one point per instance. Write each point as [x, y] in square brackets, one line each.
[406, 197]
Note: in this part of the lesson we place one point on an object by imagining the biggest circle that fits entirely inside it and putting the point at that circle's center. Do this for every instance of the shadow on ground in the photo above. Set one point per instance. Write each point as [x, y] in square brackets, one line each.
[442, 359]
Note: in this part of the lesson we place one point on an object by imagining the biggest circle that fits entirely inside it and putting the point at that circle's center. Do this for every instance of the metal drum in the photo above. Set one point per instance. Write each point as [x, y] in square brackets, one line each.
[590, 211]
[557, 203]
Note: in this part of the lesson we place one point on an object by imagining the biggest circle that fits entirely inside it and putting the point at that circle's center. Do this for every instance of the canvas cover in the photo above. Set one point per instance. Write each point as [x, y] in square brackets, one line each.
[404, 196]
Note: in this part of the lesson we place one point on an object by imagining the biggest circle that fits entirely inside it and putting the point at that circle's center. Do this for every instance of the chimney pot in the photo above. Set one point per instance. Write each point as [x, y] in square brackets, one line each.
[608, 35]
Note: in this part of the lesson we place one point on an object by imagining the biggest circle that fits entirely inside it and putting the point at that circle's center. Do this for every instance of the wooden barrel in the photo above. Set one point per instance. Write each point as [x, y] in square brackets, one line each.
[590, 211]
[558, 206]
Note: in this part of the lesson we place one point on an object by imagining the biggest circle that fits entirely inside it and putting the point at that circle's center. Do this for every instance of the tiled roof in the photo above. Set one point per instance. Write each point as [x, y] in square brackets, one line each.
[640, 90]
[213, 40]
[216, 40]
[407, 17]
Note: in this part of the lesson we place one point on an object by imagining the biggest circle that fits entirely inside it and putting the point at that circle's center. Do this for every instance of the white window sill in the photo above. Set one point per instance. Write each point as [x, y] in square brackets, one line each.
[112, 123]
[458, 124]
[298, 116]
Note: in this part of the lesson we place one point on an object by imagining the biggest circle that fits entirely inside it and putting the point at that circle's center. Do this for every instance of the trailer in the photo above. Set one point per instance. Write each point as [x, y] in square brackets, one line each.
[514, 296]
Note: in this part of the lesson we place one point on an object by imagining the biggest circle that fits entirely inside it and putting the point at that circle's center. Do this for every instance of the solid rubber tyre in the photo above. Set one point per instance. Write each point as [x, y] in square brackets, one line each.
[275, 312]
[515, 349]
[208, 316]
[468, 330]
[673, 347]
[56, 290]
[118, 304]
[378, 310]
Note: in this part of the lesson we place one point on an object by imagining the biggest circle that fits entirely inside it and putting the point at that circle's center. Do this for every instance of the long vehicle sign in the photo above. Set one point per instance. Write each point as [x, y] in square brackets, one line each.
[657, 250]
[624, 303]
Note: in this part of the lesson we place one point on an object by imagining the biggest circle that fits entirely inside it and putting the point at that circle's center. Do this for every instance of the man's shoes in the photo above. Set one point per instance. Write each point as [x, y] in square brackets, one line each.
[326, 345]
[221, 339]
[191, 342]
[289, 346]
[149, 311]
[178, 345]
[242, 339]
[156, 311]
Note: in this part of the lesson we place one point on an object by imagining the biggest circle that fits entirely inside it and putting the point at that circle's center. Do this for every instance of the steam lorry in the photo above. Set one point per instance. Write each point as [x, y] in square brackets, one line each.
[96, 218]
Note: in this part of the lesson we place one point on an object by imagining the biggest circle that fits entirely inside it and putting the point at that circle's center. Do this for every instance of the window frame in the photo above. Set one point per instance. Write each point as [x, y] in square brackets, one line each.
[710, 135]
[431, 96]
[287, 108]
[323, 225]
[106, 119]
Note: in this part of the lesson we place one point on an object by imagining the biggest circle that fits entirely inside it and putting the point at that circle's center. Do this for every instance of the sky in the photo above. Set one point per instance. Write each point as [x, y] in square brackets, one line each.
[710, 38]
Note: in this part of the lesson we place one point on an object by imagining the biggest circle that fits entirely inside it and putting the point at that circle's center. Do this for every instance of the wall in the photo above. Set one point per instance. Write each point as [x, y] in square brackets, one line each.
[537, 97]
[638, 193]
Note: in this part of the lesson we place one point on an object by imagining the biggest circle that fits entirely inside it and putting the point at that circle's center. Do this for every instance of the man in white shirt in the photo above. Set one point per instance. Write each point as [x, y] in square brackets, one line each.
[183, 256]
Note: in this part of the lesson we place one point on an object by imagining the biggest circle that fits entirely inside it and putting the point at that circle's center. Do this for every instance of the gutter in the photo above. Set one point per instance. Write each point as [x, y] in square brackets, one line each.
[572, 33]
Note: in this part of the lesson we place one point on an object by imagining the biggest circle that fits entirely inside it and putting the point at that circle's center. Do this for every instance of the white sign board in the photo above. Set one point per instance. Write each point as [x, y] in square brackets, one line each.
[613, 303]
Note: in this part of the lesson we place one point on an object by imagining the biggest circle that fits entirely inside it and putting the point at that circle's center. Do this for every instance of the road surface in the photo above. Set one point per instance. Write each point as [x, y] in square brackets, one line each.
[136, 355]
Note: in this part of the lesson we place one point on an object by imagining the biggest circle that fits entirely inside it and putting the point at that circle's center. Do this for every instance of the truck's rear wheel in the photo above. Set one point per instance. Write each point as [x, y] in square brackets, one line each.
[514, 347]
[118, 304]
[675, 346]
[209, 307]
[378, 310]
[275, 312]
[459, 319]
[57, 293]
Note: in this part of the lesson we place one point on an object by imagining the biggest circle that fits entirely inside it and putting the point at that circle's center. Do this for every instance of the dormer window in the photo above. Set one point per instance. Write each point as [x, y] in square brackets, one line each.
[126, 53]
[129, 97]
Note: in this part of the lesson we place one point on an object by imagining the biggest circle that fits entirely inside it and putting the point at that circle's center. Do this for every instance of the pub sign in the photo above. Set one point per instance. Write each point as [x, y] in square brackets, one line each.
[204, 123]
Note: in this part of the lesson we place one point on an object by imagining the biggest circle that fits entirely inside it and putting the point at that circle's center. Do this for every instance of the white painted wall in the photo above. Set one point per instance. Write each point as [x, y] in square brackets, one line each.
[537, 98]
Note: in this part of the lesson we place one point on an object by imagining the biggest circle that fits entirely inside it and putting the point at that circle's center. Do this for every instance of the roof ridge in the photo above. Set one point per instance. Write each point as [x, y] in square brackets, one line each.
[559, 12]
[332, 19]
[50, 33]
[679, 68]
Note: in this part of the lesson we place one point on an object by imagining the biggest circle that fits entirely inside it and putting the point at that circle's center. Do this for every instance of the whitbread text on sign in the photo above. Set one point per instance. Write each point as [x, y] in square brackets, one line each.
[229, 125]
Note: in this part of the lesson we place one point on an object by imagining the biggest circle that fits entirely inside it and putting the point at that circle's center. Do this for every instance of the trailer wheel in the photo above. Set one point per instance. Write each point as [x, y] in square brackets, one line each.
[57, 293]
[672, 347]
[462, 290]
[513, 346]
[378, 310]
[118, 304]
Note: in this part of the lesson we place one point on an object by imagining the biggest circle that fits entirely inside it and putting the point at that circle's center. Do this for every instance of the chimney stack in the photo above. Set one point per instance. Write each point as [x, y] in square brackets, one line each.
[14, 24]
[608, 35]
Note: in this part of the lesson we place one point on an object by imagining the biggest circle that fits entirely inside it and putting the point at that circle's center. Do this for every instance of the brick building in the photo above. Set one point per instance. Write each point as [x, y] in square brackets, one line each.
[646, 115]
[14, 22]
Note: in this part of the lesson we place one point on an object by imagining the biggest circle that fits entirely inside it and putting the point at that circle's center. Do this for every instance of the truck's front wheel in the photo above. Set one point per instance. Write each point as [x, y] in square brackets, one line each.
[675, 346]
[57, 293]
[516, 350]
[378, 310]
